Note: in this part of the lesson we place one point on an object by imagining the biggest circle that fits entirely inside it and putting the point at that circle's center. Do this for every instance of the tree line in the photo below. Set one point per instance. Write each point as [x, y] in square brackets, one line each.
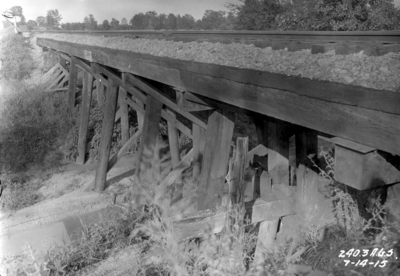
[300, 15]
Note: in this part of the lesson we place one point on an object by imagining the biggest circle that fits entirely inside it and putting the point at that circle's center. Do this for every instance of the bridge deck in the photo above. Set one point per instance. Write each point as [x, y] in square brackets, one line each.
[366, 116]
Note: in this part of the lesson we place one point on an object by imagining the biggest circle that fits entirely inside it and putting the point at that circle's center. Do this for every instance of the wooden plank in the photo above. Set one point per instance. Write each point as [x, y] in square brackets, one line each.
[85, 114]
[156, 93]
[169, 71]
[149, 137]
[198, 149]
[256, 211]
[73, 77]
[124, 117]
[106, 135]
[215, 160]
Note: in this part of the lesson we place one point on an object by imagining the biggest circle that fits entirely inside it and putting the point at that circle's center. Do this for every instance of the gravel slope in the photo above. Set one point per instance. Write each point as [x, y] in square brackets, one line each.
[380, 72]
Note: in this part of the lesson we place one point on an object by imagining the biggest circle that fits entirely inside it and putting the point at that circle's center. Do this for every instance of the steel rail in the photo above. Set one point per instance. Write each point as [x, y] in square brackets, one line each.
[383, 37]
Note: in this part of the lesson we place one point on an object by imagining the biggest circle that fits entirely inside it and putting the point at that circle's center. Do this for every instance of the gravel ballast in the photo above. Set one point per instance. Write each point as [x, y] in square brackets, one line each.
[378, 72]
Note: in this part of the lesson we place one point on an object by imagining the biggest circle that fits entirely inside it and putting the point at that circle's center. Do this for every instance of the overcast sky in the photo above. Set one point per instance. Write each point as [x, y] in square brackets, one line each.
[76, 10]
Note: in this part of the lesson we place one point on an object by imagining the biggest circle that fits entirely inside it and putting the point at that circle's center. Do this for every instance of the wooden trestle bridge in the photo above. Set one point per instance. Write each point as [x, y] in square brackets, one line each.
[363, 123]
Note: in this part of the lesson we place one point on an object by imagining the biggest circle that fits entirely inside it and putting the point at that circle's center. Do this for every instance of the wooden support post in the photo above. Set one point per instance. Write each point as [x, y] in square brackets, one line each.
[262, 138]
[139, 115]
[306, 144]
[278, 153]
[215, 160]
[150, 135]
[173, 142]
[278, 174]
[106, 135]
[85, 113]
[99, 92]
[73, 78]
[198, 149]
[123, 105]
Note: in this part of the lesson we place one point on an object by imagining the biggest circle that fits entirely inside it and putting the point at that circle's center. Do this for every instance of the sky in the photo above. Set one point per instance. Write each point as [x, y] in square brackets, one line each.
[76, 10]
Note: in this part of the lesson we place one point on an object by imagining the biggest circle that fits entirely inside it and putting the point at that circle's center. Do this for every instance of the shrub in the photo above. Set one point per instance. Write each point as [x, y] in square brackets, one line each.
[16, 58]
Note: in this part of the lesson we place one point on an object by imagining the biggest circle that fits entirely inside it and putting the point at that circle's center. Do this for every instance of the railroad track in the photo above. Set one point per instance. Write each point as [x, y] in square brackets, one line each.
[385, 37]
[374, 43]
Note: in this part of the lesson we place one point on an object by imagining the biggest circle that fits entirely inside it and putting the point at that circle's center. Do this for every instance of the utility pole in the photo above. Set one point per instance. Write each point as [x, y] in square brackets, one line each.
[9, 15]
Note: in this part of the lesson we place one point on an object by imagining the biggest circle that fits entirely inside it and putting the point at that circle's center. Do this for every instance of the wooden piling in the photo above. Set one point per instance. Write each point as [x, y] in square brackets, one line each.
[149, 135]
[99, 92]
[306, 144]
[123, 105]
[106, 135]
[85, 114]
[198, 149]
[73, 78]
[215, 160]
[173, 142]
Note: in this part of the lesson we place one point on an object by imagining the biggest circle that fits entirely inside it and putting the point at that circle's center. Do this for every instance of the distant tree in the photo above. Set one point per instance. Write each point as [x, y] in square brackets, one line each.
[66, 26]
[198, 25]
[344, 15]
[157, 23]
[257, 15]
[170, 23]
[150, 20]
[114, 24]
[213, 20]
[186, 22]
[53, 18]
[18, 11]
[41, 21]
[162, 20]
[105, 25]
[90, 22]
[31, 24]
[137, 22]
[124, 21]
